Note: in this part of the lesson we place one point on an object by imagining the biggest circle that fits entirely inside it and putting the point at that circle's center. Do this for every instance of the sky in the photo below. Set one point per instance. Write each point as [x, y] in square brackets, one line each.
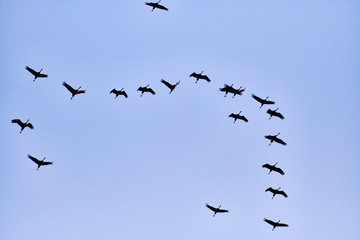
[144, 167]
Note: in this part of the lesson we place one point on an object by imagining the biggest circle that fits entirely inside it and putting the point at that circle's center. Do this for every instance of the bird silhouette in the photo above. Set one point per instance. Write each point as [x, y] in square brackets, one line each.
[274, 138]
[275, 224]
[200, 76]
[276, 191]
[73, 91]
[274, 113]
[273, 168]
[120, 92]
[36, 74]
[39, 162]
[238, 116]
[156, 5]
[23, 125]
[262, 101]
[146, 89]
[216, 210]
[172, 87]
[229, 89]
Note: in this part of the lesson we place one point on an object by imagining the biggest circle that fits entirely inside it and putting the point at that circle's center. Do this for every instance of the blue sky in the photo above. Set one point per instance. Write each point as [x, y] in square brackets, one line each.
[144, 167]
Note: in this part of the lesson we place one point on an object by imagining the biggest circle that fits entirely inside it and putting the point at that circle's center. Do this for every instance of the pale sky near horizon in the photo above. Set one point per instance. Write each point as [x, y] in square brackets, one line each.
[144, 167]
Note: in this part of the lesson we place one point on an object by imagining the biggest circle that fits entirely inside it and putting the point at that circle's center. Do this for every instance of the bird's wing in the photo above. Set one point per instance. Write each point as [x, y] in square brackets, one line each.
[113, 91]
[283, 193]
[46, 163]
[33, 159]
[68, 87]
[222, 210]
[206, 78]
[161, 7]
[43, 75]
[31, 70]
[244, 118]
[211, 207]
[167, 83]
[269, 189]
[232, 115]
[269, 102]
[125, 94]
[80, 91]
[279, 171]
[281, 225]
[256, 98]
[269, 221]
[30, 125]
[18, 121]
[152, 91]
[279, 115]
[278, 140]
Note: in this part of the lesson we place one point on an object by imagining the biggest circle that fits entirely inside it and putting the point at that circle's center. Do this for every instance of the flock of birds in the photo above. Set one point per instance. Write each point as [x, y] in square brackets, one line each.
[226, 89]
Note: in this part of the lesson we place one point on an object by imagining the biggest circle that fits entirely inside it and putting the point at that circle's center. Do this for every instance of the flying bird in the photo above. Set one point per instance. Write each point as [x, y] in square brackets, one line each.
[35, 73]
[238, 116]
[172, 87]
[274, 138]
[275, 113]
[262, 101]
[275, 192]
[120, 92]
[229, 89]
[156, 5]
[73, 91]
[23, 125]
[273, 168]
[216, 210]
[275, 224]
[146, 89]
[38, 162]
[200, 76]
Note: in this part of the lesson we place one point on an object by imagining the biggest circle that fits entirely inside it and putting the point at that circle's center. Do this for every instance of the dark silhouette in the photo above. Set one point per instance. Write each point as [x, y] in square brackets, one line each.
[273, 168]
[216, 210]
[262, 101]
[156, 5]
[38, 162]
[238, 116]
[120, 92]
[274, 113]
[146, 89]
[36, 74]
[23, 125]
[172, 87]
[275, 224]
[229, 89]
[73, 91]
[274, 138]
[276, 191]
[200, 76]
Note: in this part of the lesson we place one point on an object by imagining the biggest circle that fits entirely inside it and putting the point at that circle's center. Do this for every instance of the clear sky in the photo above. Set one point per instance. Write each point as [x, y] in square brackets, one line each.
[144, 167]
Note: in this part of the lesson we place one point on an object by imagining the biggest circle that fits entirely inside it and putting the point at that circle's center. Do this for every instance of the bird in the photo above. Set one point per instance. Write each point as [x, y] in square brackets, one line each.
[275, 224]
[238, 116]
[229, 89]
[156, 5]
[23, 125]
[120, 92]
[146, 89]
[38, 162]
[262, 101]
[73, 91]
[274, 113]
[172, 87]
[36, 74]
[274, 138]
[273, 168]
[216, 210]
[200, 76]
[275, 192]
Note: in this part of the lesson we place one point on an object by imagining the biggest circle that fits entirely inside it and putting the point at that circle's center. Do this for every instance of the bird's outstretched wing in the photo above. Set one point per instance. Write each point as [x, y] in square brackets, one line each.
[278, 140]
[167, 84]
[161, 7]
[269, 222]
[257, 98]
[222, 210]
[268, 102]
[244, 118]
[31, 70]
[211, 207]
[282, 225]
[125, 94]
[279, 170]
[42, 75]
[206, 78]
[35, 160]
[152, 91]
[46, 163]
[279, 115]
[283, 193]
[30, 125]
[68, 87]
[18, 121]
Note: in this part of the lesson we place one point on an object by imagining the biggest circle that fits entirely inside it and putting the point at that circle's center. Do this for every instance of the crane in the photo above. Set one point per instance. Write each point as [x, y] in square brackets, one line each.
[216, 210]
[172, 87]
[262, 101]
[200, 76]
[120, 92]
[39, 162]
[35, 73]
[238, 116]
[274, 138]
[230, 89]
[275, 192]
[23, 125]
[73, 91]
[275, 224]
[275, 113]
[156, 5]
[146, 89]
[273, 168]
